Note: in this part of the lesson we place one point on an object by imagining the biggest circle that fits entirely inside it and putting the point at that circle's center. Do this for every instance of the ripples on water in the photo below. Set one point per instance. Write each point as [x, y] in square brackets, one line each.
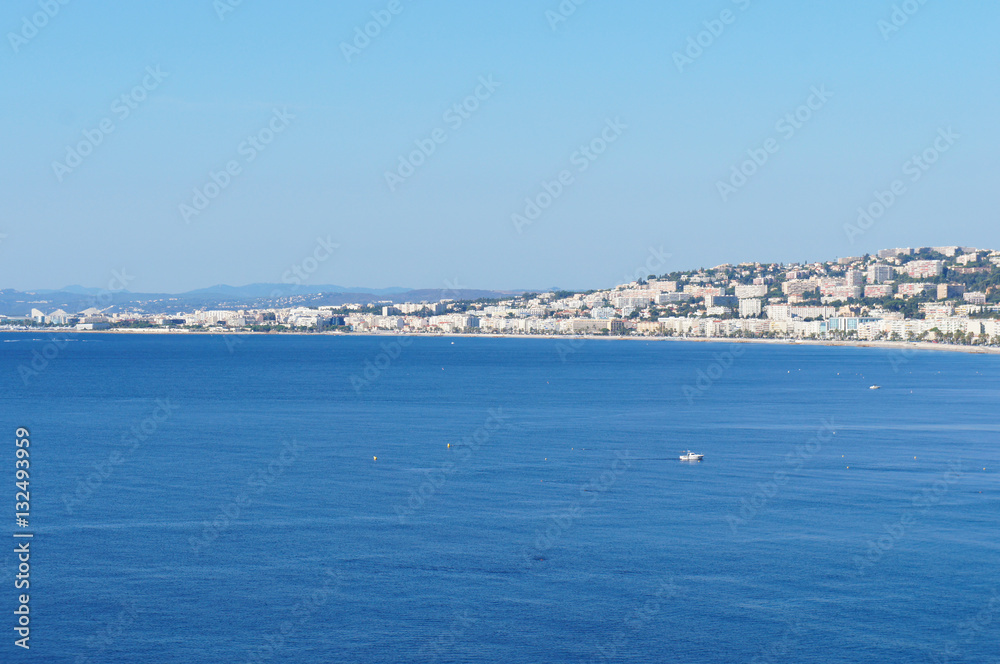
[564, 529]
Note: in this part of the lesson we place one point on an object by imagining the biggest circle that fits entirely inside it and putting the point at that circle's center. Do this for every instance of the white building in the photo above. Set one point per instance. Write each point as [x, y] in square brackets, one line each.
[798, 286]
[913, 289]
[937, 309]
[582, 325]
[879, 273]
[748, 291]
[836, 293]
[57, 317]
[750, 307]
[634, 302]
[924, 269]
[813, 312]
[878, 290]
[779, 312]
[602, 313]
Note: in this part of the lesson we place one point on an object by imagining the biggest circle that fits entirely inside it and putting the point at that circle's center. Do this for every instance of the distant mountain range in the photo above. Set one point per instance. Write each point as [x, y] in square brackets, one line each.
[250, 290]
[256, 296]
[265, 290]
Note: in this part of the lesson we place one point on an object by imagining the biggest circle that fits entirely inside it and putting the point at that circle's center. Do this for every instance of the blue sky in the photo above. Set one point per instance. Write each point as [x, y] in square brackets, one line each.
[344, 124]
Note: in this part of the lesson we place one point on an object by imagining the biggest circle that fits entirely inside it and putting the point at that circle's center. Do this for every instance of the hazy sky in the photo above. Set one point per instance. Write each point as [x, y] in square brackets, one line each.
[202, 85]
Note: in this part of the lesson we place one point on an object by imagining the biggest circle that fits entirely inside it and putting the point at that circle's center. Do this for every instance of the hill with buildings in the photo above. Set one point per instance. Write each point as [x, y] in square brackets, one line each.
[947, 293]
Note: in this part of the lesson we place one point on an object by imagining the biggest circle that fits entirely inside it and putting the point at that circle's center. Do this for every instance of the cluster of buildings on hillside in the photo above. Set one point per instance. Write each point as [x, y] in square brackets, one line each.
[950, 293]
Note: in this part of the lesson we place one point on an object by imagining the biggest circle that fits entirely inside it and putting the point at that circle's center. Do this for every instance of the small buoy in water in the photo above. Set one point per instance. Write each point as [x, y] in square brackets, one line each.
[374, 458]
[449, 445]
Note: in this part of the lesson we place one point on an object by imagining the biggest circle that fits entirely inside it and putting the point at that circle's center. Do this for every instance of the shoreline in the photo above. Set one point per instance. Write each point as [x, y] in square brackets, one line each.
[893, 345]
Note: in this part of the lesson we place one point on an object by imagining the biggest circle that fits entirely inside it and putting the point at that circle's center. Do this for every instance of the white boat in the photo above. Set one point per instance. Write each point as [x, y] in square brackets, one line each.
[691, 456]
[875, 387]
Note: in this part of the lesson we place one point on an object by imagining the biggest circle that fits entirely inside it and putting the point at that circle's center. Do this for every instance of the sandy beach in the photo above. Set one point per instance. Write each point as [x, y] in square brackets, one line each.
[897, 345]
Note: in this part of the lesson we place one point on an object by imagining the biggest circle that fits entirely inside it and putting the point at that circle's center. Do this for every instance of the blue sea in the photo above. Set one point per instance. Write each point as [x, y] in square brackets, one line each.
[383, 499]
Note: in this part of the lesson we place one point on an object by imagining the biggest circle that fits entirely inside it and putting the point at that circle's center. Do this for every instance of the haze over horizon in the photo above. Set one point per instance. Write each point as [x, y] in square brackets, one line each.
[309, 117]
[307, 286]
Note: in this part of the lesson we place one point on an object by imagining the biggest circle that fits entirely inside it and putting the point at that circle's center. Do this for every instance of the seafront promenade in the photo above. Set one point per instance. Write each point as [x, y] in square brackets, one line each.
[893, 345]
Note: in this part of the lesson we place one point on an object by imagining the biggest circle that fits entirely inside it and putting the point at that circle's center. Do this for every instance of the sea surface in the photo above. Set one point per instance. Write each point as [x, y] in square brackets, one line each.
[364, 499]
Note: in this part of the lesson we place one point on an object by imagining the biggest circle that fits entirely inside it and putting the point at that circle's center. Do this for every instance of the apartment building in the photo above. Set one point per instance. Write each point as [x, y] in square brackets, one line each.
[924, 269]
[879, 273]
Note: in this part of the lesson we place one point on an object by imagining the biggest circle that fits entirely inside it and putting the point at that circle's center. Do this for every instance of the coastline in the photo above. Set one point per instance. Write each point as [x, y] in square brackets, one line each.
[891, 345]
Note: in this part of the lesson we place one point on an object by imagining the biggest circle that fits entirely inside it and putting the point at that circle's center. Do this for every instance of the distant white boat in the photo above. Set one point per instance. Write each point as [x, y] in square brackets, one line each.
[691, 456]
[875, 387]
